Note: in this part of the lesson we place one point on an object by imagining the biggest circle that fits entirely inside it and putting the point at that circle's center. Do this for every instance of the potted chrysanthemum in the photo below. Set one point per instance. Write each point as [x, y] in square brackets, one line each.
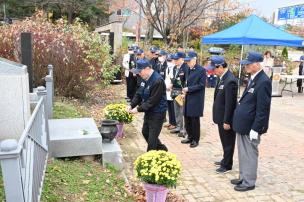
[119, 113]
[159, 170]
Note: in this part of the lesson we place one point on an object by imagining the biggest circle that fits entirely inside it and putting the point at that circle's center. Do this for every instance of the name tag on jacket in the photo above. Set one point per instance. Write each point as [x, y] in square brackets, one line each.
[251, 90]
[221, 87]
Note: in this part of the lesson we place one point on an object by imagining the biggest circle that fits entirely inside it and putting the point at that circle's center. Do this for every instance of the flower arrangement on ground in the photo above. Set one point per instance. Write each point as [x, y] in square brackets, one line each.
[118, 112]
[158, 167]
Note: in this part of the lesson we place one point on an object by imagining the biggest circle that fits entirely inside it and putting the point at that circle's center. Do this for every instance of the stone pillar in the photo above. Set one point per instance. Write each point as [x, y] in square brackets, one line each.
[41, 92]
[11, 170]
[49, 83]
[116, 27]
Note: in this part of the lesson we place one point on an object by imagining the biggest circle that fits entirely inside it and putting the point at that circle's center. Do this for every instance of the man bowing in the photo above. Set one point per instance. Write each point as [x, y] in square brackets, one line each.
[250, 120]
[225, 98]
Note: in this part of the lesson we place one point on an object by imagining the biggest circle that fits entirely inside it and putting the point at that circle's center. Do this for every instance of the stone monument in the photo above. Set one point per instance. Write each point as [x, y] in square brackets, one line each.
[14, 103]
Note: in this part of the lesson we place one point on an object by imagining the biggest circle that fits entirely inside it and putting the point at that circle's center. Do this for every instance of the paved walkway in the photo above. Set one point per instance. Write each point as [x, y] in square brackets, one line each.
[281, 162]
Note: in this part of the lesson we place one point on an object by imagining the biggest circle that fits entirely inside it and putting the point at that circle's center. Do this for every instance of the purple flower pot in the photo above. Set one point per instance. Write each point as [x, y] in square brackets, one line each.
[120, 133]
[155, 193]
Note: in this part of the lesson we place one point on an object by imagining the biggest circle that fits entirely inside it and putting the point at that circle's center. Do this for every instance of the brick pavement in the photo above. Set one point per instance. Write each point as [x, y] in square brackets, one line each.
[281, 162]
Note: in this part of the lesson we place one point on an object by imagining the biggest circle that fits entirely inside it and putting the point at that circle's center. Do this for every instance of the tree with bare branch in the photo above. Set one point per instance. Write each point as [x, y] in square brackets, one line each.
[172, 17]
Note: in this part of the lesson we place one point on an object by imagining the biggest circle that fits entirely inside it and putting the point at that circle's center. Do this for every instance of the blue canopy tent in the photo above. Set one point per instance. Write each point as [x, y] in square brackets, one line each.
[253, 31]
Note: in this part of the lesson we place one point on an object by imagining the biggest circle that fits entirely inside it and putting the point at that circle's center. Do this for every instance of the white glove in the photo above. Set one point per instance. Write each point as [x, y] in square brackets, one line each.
[128, 108]
[253, 135]
[134, 110]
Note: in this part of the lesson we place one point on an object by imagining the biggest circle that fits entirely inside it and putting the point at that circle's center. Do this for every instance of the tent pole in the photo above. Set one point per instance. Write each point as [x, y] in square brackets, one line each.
[240, 72]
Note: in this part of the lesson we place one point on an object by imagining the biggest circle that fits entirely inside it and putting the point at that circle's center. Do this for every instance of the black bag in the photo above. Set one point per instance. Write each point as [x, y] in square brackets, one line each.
[175, 92]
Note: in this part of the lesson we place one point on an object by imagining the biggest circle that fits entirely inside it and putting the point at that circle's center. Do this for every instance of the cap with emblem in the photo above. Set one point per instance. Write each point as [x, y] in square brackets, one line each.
[216, 61]
[302, 58]
[153, 49]
[162, 52]
[139, 51]
[134, 46]
[140, 65]
[190, 55]
[178, 55]
[252, 57]
[169, 57]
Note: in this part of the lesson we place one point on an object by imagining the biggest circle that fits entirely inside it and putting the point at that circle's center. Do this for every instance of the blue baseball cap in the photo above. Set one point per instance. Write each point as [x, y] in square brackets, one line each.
[162, 52]
[190, 55]
[139, 51]
[216, 60]
[140, 65]
[169, 57]
[134, 46]
[153, 49]
[302, 58]
[178, 55]
[252, 57]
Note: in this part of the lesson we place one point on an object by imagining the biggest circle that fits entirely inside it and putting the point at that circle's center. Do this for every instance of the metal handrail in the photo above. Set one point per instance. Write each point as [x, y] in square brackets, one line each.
[24, 162]
[30, 122]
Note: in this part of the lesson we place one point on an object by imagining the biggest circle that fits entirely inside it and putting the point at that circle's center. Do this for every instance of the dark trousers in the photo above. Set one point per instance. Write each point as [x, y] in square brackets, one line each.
[192, 125]
[152, 126]
[131, 85]
[228, 142]
[172, 120]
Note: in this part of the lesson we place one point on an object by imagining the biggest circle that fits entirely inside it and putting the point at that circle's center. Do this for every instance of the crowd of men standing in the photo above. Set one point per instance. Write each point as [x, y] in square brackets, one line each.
[175, 84]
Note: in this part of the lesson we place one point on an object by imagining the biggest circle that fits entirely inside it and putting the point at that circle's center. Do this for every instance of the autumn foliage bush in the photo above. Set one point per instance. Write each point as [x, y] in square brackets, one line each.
[78, 55]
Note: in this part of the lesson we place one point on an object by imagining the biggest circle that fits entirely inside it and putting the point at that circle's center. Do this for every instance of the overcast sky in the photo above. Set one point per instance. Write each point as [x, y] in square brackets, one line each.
[267, 7]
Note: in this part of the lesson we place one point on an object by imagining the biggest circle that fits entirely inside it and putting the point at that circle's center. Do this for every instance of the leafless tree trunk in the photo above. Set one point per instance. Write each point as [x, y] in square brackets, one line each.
[149, 33]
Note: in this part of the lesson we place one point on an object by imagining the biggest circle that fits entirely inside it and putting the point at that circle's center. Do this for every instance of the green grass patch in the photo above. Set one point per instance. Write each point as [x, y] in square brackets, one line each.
[65, 110]
[2, 195]
[77, 180]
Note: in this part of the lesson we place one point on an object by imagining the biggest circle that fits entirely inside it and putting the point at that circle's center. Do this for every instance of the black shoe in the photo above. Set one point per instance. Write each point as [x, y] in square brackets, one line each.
[236, 181]
[222, 170]
[193, 144]
[164, 148]
[241, 187]
[218, 163]
[175, 130]
[186, 141]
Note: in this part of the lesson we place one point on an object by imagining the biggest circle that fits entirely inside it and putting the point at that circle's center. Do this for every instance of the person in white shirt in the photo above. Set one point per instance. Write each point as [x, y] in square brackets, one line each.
[268, 63]
[168, 82]
[128, 64]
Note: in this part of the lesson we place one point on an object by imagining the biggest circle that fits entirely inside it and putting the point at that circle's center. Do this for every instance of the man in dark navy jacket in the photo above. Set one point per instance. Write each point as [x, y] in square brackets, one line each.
[250, 120]
[225, 98]
[162, 63]
[194, 92]
[150, 98]
[154, 57]
[178, 81]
